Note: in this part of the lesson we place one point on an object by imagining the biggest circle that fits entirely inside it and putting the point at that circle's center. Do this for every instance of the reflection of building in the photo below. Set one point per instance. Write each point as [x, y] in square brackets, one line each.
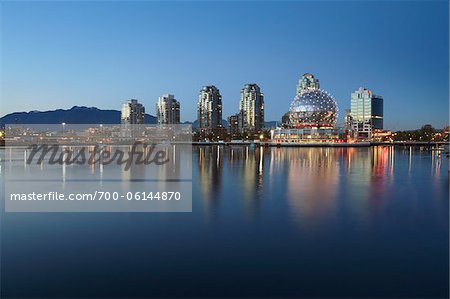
[210, 166]
[312, 115]
[312, 183]
[168, 110]
[251, 109]
[209, 108]
[132, 112]
[366, 113]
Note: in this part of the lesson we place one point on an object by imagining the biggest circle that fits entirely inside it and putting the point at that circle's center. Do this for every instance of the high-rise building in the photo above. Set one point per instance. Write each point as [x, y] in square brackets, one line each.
[251, 108]
[132, 112]
[209, 108]
[168, 110]
[348, 124]
[233, 124]
[307, 83]
[366, 113]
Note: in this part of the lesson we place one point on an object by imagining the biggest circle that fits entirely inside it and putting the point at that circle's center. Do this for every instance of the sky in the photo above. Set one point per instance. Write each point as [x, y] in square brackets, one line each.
[61, 54]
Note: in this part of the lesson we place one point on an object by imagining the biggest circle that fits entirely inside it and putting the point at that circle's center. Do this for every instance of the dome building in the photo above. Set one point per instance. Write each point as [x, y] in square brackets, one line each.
[311, 117]
[315, 108]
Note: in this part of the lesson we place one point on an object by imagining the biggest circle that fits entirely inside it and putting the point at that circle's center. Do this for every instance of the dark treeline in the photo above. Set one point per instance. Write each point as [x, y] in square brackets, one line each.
[425, 133]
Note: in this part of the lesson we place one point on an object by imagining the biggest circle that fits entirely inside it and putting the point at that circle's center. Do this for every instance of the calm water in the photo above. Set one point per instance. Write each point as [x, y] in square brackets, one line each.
[306, 222]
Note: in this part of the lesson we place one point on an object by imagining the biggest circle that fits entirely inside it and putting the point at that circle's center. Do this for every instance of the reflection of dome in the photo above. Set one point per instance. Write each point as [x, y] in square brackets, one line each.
[313, 108]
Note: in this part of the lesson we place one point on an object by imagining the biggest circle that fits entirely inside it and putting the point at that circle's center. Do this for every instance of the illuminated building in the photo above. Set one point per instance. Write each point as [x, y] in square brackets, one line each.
[209, 108]
[366, 112]
[132, 113]
[312, 115]
[307, 83]
[233, 124]
[251, 109]
[168, 110]
[313, 109]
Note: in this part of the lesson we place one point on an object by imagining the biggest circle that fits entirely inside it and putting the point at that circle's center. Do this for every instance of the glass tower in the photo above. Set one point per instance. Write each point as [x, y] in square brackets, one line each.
[366, 113]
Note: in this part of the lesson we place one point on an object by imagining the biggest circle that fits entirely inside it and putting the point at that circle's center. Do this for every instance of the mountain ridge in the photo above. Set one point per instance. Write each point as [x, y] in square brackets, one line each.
[82, 115]
[74, 115]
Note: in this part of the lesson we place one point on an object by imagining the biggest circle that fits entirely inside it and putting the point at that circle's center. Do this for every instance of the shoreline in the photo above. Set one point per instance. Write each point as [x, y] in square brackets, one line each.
[272, 144]
[324, 144]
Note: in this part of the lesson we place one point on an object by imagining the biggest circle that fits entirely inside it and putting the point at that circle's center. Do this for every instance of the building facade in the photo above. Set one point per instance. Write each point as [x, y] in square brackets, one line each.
[233, 124]
[132, 112]
[307, 83]
[313, 109]
[312, 115]
[366, 112]
[168, 110]
[209, 108]
[251, 107]
[304, 135]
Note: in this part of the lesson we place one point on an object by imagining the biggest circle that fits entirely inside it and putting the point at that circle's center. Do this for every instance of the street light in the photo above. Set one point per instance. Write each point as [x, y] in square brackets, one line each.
[63, 127]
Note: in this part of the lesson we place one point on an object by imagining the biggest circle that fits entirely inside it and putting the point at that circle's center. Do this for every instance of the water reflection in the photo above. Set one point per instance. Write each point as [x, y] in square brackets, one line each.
[249, 166]
[314, 183]
[210, 168]
[324, 216]
[239, 168]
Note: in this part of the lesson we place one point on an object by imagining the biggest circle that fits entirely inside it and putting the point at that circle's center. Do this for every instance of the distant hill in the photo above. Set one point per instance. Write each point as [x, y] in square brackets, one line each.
[74, 115]
[271, 124]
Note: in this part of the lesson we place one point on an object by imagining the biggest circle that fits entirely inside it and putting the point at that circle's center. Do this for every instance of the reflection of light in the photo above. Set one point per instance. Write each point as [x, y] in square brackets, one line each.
[383, 161]
[101, 162]
[261, 156]
[432, 161]
[438, 166]
[313, 177]
[409, 161]
[64, 164]
[218, 155]
[210, 170]
[25, 159]
[392, 160]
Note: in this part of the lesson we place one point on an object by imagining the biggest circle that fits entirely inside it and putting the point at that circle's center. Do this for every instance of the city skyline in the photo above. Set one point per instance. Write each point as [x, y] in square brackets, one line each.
[79, 56]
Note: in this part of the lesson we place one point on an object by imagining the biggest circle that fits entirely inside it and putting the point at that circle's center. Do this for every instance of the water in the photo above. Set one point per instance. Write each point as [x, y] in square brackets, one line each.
[275, 222]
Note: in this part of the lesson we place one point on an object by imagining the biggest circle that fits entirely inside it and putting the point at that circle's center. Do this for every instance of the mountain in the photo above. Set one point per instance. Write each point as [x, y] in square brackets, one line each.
[74, 115]
[271, 124]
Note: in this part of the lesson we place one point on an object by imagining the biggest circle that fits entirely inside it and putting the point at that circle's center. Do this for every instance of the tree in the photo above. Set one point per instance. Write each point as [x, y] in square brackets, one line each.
[426, 133]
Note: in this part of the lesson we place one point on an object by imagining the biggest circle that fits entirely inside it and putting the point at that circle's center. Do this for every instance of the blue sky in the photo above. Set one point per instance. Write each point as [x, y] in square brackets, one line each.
[61, 54]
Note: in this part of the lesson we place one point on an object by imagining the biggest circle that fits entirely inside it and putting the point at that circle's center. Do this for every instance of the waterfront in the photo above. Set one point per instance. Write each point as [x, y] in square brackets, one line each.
[266, 222]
